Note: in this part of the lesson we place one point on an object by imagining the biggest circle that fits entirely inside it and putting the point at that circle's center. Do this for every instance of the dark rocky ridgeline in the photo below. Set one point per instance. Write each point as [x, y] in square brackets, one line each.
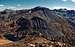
[41, 20]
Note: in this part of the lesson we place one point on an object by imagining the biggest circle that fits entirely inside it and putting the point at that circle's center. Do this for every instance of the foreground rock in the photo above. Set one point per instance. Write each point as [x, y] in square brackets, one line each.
[36, 42]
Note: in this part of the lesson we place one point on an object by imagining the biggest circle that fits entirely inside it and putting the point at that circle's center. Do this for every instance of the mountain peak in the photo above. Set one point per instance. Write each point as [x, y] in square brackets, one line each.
[33, 22]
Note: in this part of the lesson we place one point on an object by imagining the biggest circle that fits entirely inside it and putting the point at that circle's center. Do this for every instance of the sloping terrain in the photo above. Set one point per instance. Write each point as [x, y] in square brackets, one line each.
[3, 42]
[19, 25]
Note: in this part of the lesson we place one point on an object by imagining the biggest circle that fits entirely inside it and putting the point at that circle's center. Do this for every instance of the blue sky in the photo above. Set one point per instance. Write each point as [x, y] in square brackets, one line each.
[23, 4]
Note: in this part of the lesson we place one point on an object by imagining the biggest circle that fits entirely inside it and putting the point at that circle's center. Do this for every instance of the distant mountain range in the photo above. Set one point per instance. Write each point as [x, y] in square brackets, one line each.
[53, 25]
[68, 14]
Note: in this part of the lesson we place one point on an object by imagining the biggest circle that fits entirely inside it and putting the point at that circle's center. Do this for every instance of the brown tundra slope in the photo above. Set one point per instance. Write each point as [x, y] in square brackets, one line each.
[24, 26]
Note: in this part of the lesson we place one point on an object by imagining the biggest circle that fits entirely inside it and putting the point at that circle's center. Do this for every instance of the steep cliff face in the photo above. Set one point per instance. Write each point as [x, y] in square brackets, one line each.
[34, 22]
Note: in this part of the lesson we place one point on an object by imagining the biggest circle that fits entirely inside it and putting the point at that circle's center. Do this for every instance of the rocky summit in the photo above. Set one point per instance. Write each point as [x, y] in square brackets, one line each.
[36, 27]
